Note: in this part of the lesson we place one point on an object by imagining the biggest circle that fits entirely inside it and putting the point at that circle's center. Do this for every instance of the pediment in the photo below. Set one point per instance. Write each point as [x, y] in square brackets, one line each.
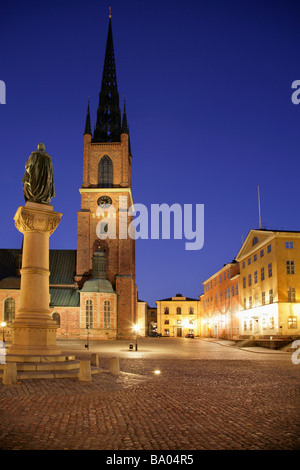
[255, 239]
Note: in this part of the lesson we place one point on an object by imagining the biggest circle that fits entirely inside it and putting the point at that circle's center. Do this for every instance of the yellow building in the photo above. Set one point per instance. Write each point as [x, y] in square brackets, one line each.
[178, 316]
[270, 284]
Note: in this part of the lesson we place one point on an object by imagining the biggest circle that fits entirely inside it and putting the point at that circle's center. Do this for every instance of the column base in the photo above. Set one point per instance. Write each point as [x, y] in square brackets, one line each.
[33, 340]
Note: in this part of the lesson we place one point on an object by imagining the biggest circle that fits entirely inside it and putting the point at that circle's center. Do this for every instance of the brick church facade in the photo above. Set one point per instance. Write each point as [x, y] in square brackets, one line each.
[92, 288]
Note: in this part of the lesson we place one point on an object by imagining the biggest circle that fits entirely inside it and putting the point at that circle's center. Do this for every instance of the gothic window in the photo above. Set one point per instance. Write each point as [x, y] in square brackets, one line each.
[89, 313]
[56, 318]
[105, 172]
[106, 318]
[9, 310]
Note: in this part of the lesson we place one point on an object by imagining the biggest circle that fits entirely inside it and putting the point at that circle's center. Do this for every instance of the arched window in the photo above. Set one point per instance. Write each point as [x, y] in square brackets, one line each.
[191, 311]
[9, 310]
[105, 172]
[166, 311]
[56, 318]
[178, 310]
[106, 318]
[89, 313]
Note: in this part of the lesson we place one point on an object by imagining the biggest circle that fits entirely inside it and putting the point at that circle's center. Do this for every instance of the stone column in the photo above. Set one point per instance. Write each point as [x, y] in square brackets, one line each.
[33, 330]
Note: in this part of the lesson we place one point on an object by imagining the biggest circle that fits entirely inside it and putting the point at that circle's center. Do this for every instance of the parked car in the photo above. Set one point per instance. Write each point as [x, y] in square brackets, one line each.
[156, 334]
[190, 335]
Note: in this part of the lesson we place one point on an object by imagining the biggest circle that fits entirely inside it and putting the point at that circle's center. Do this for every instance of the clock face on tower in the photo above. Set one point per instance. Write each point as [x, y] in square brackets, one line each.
[104, 201]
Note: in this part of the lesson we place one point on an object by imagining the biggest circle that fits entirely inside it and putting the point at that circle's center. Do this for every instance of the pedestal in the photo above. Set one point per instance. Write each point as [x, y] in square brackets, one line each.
[33, 330]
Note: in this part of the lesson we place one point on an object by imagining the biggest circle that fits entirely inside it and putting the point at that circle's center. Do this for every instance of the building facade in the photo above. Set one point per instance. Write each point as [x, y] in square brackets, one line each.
[220, 303]
[270, 284]
[178, 316]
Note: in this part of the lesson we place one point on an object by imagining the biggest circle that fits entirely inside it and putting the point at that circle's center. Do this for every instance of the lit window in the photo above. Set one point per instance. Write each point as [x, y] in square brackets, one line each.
[89, 313]
[292, 322]
[106, 318]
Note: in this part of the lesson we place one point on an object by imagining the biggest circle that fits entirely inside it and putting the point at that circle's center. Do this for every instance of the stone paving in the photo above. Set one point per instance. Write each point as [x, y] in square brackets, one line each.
[250, 402]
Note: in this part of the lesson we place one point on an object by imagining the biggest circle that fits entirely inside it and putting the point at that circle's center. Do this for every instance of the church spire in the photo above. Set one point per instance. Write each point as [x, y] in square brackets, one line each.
[108, 125]
[87, 129]
[125, 129]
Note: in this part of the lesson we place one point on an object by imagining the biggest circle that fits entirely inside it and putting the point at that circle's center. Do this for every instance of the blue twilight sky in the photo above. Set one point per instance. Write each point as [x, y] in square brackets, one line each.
[208, 95]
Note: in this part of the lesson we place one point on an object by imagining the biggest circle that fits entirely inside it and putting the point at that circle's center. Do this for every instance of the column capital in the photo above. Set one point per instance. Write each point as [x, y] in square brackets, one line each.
[35, 217]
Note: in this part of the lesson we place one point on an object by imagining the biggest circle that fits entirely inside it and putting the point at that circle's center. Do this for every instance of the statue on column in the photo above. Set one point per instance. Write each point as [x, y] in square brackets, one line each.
[38, 180]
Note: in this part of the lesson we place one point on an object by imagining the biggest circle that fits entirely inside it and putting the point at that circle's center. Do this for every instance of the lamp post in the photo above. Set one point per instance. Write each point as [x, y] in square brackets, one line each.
[87, 338]
[136, 328]
[3, 324]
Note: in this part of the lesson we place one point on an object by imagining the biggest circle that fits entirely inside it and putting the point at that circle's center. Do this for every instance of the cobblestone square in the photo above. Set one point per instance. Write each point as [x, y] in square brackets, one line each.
[208, 396]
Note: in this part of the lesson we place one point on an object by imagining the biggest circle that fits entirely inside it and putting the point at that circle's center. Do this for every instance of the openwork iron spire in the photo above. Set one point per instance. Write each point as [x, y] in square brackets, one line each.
[108, 125]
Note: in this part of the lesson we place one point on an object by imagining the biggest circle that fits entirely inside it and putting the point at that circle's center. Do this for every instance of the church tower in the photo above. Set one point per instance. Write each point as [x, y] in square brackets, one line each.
[106, 184]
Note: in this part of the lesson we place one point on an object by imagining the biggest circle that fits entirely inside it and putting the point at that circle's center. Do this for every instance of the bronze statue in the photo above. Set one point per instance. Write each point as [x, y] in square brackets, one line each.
[38, 180]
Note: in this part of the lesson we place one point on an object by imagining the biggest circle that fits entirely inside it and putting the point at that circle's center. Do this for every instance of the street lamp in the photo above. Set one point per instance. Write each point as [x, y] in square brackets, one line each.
[136, 328]
[87, 338]
[3, 324]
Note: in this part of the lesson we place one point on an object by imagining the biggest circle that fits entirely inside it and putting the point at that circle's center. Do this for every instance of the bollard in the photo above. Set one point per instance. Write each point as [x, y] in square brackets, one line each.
[131, 346]
[85, 371]
[9, 373]
[95, 360]
[115, 366]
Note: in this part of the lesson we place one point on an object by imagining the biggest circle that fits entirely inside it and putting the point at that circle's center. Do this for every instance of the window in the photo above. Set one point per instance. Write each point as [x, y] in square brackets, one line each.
[255, 277]
[262, 274]
[245, 326]
[245, 305]
[270, 269]
[249, 261]
[167, 322]
[292, 322]
[106, 317]
[89, 313]
[167, 332]
[243, 264]
[9, 310]
[255, 257]
[261, 253]
[256, 300]
[166, 311]
[236, 289]
[215, 281]
[269, 248]
[291, 294]
[264, 323]
[178, 310]
[250, 301]
[56, 318]
[228, 292]
[232, 291]
[254, 241]
[221, 296]
[249, 280]
[289, 245]
[105, 172]
[263, 298]
[290, 267]
[244, 282]
[271, 296]
[250, 325]
[191, 310]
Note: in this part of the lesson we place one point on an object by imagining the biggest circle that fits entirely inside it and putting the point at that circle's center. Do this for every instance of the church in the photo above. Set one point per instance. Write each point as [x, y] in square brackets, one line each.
[92, 288]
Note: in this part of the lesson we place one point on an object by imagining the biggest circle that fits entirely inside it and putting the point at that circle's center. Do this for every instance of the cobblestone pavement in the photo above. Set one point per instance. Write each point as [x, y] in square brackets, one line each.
[247, 403]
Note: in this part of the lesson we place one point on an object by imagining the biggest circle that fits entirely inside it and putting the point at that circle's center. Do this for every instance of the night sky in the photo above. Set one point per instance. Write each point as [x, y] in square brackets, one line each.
[208, 95]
